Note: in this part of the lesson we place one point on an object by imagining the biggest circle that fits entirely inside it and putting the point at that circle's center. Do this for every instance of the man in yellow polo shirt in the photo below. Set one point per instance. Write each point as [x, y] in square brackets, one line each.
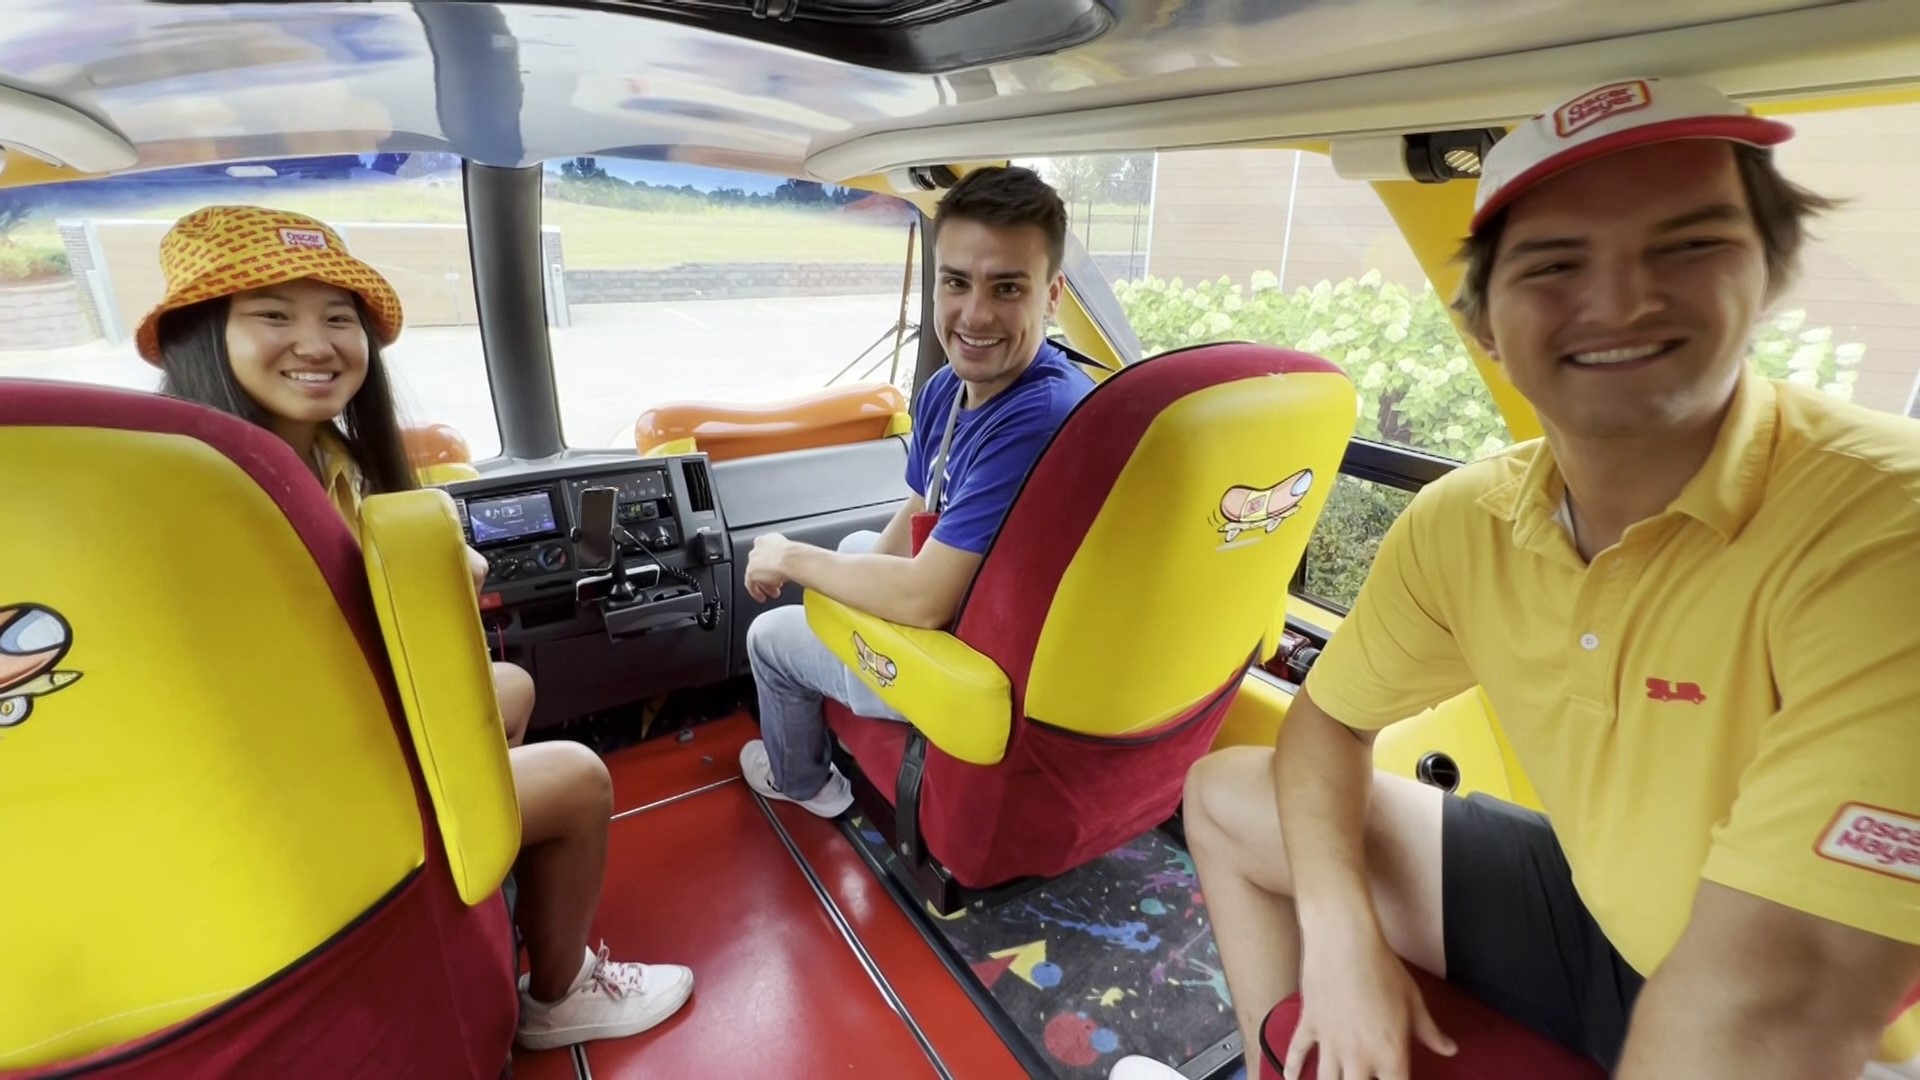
[1695, 606]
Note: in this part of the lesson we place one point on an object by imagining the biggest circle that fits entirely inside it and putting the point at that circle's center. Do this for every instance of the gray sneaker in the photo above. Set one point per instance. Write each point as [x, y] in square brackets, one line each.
[832, 800]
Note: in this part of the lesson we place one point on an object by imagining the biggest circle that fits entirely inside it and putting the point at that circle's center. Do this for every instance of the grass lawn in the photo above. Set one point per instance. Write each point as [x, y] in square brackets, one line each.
[592, 237]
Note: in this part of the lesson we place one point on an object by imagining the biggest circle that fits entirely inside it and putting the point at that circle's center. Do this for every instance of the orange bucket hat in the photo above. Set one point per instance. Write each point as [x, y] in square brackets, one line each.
[222, 250]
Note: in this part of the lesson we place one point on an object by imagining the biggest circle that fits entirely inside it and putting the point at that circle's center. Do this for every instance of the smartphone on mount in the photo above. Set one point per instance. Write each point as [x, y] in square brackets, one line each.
[595, 545]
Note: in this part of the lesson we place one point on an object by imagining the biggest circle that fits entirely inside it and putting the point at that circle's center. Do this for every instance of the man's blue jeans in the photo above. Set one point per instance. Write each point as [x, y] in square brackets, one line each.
[794, 672]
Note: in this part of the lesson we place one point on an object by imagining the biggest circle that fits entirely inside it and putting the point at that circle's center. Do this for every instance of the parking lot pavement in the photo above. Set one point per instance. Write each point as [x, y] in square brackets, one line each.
[613, 363]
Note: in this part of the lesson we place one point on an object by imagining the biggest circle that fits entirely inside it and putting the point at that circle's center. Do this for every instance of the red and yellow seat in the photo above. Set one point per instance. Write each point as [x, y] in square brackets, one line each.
[1137, 574]
[256, 807]
[1488, 1045]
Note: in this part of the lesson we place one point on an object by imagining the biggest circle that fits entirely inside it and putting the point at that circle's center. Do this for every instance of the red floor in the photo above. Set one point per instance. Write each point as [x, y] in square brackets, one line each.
[664, 767]
[966, 1043]
[705, 880]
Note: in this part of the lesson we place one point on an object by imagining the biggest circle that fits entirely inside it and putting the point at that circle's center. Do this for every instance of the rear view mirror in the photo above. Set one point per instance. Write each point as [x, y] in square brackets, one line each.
[595, 521]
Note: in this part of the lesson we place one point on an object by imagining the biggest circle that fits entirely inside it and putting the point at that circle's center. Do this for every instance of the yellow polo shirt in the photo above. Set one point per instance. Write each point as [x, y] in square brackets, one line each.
[339, 474]
[1731, 692]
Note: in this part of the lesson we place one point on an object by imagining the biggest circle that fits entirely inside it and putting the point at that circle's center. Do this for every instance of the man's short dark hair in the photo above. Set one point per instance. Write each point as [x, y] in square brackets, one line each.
[1005, 196]
[1781, 210]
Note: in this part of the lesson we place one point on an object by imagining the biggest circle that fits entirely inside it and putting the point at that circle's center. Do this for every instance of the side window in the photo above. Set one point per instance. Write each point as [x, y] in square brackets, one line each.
[1846, 324]
[1348, 537]
[80, 267]
[671, 282]
[1271, 246]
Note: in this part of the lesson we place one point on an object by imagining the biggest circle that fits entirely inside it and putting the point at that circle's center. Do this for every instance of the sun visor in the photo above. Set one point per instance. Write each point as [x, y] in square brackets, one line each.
[60, 134]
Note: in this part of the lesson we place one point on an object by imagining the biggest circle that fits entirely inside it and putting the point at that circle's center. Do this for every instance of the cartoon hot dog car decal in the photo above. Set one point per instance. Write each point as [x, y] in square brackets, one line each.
[1244, 509]
[33, 640]
[880, 668]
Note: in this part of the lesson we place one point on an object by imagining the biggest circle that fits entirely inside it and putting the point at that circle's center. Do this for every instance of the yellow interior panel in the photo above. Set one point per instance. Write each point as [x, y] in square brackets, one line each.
[429, 616]
[1203, 527]
[1457, 727]
[1859, 99]
[447, 472]
[670, 448]
[1307, 611]
[1084, 334]
[1433, 218]
[960, 700]
[208, 784]
[1256, 713]
[21, 169]
[1461, 727]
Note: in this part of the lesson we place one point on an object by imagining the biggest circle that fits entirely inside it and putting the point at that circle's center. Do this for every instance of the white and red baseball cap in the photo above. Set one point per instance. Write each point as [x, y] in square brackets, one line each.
[1620, 115]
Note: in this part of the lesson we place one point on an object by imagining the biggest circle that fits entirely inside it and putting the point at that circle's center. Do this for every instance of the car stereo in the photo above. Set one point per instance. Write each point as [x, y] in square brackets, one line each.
[507, 519]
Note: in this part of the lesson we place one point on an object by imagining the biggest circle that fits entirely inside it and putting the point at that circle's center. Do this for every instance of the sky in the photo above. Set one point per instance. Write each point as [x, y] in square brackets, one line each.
[675, 174]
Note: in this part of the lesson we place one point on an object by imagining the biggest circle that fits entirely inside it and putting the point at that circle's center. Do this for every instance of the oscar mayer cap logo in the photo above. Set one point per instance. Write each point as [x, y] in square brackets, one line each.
[304, 238]
[1591, 108]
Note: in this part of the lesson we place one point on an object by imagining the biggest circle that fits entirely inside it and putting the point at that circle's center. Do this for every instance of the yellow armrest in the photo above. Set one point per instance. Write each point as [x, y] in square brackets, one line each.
[423, 590]
[960, 700]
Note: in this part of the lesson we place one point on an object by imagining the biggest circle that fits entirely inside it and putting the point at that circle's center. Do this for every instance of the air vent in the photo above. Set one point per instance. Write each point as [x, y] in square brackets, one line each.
[699, 488]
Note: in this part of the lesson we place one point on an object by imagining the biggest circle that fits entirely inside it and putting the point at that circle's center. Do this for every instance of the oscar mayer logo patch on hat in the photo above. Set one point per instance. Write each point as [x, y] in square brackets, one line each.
[1589, 109]
[304, 238]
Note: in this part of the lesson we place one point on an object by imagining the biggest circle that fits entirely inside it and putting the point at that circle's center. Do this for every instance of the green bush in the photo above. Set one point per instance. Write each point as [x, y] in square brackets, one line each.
[26, 264]
[1417, 385]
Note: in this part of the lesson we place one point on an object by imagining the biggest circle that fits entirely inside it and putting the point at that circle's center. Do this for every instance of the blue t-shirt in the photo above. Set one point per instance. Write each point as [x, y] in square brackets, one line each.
[993, 446]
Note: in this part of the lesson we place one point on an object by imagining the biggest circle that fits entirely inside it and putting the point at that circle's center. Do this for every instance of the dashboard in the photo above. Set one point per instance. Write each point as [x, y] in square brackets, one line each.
[530, 532]
[674, 613]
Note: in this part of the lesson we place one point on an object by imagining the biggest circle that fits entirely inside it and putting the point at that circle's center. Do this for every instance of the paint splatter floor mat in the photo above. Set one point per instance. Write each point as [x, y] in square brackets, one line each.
[1112, 959]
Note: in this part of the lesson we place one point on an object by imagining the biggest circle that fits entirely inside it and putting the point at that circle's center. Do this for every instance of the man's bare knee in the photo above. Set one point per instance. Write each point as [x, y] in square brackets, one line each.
[1231, 815]
[1233, 824]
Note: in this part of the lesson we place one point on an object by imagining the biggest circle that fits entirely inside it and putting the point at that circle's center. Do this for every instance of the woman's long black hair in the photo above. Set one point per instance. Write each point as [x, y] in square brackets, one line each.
[193, 356]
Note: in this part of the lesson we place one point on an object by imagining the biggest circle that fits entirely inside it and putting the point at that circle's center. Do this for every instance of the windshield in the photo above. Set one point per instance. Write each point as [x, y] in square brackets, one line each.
[672, 282]
[79, 267]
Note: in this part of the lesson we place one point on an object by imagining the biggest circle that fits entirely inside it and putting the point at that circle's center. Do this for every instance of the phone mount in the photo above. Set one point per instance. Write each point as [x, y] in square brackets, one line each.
[620, 594]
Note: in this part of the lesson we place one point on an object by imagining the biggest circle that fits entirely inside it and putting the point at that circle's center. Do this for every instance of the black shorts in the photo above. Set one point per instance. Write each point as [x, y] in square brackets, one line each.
[1519, 938]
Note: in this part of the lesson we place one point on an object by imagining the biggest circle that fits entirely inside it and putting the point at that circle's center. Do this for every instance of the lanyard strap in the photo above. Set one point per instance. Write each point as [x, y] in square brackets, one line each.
[940, 458]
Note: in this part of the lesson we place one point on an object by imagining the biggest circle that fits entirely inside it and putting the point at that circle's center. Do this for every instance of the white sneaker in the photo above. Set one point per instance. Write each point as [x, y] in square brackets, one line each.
[832, 800]
[608, 1000]
[1135, 1067]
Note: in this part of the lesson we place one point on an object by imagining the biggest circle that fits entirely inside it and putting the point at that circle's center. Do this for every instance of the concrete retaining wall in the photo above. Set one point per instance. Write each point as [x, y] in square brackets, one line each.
[744, 280]
[43, 316]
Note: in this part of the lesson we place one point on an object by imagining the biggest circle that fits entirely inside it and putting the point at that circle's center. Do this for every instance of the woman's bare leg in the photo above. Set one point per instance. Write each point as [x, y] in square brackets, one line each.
[566, 803]
[573, 993]
[513, 687]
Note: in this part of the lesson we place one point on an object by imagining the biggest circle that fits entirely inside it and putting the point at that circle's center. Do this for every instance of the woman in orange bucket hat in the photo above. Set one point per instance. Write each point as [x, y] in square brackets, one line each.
[245, 285]
[268, 317]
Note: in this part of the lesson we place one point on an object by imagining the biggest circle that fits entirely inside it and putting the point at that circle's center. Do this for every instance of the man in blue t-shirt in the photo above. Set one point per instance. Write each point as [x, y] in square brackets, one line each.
[979, 424]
